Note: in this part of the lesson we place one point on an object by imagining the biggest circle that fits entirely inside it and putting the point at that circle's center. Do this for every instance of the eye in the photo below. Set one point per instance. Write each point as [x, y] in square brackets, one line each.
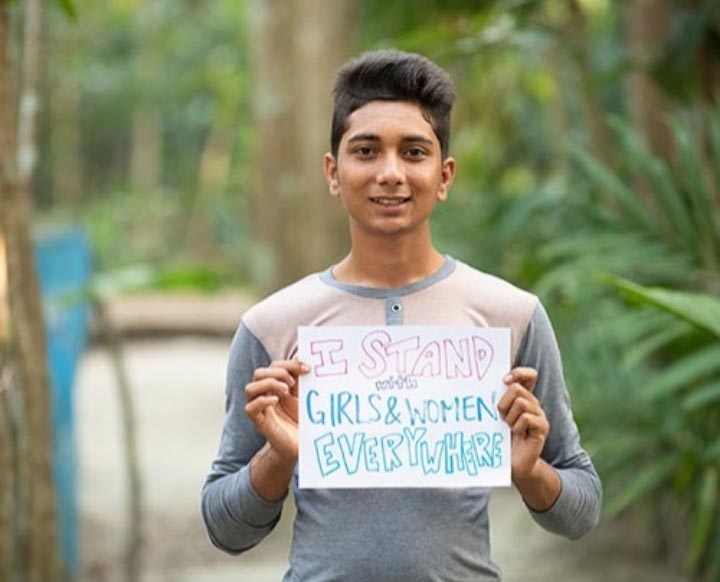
[364, 151]
[415, 153]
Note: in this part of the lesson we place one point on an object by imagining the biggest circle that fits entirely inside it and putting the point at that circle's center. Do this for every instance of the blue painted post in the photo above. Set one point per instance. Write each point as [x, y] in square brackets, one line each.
[64, 269]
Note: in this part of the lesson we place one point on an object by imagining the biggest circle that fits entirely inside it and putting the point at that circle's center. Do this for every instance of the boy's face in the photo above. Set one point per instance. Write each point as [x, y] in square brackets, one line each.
[389, 172]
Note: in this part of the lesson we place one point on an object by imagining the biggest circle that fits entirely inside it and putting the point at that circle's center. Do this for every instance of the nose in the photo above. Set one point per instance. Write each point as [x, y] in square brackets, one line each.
[390, 171]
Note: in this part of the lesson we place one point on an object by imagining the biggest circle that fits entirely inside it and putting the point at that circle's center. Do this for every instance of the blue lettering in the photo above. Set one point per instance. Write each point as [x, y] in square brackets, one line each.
[481, 442]
[389, 444]
[416, 414]
[413, 440]
[327, 463]
[431, 463]
[343, 400]
[351, 454]
[446, 409]
[320, 419]
[469, 457]
[432, 410]
[371, 398]
[482, 406]
[454, 452]
[468, 409]
[497, 450]
[371, 456]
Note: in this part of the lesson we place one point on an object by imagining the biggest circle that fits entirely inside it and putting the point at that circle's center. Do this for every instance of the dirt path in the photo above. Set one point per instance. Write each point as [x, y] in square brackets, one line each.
[178, 388]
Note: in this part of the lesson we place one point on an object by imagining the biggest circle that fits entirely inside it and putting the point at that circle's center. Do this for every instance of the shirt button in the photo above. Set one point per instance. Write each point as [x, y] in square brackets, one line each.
[396, 307]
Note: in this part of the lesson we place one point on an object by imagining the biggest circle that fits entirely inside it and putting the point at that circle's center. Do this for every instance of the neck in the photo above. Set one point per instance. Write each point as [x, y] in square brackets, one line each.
[389, 262]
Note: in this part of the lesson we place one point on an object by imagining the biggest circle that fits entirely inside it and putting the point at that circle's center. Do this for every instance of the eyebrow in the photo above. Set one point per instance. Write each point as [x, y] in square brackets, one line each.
[376, 138]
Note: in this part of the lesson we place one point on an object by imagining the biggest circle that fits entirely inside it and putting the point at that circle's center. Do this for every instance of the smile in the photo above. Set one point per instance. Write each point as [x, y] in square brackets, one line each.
[390, 200]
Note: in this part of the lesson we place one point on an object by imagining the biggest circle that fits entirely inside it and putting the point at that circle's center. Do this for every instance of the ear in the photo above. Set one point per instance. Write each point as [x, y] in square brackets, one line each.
[331, 174]
[446, 178]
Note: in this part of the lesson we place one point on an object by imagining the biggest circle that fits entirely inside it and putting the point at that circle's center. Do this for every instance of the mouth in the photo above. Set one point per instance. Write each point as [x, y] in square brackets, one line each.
[390, 200]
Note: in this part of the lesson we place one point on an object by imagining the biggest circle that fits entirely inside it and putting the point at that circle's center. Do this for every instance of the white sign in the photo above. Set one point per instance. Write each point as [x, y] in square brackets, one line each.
[403, 406]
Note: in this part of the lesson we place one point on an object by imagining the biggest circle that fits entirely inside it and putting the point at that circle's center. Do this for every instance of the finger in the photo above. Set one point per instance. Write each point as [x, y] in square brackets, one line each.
[256, 408]
[531, 425]
[277, 372]
[290, 406]
[514, 391]
[266, 387]
[522, 375]
[520, 407]
[294, 366]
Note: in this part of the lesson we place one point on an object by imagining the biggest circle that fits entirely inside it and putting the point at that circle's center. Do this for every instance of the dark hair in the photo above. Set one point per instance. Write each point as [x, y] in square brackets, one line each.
[393, 75]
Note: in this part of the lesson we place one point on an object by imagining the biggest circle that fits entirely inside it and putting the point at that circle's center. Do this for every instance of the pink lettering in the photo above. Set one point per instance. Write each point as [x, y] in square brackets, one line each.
[458, 361]
[373, 346]
[400, 350]
[484, 354]
[429, 358]
[325, 351]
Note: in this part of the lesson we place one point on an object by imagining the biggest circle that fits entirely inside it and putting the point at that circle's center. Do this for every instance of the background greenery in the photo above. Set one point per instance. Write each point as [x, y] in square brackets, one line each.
[589, 172]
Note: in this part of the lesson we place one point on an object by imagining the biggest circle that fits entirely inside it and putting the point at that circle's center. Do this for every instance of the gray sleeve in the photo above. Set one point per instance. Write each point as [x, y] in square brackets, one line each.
[577, 509]
[236, 517]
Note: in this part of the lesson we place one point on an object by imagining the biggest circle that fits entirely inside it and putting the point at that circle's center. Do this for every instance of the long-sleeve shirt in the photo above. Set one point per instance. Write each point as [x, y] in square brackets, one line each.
[393, 535]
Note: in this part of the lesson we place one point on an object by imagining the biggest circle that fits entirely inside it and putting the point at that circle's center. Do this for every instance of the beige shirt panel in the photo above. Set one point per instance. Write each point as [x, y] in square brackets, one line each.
[478, 299]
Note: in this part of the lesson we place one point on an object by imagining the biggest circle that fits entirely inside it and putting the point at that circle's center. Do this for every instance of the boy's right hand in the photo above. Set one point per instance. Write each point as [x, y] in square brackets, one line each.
[272, 405]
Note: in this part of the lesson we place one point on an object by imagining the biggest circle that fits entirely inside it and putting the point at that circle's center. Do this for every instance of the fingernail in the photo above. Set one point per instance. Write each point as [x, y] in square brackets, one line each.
[508, 378]
[304, 368]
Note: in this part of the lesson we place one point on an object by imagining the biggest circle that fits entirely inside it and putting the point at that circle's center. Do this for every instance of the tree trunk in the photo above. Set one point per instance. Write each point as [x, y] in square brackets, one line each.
[38, 558]
[8, 501]
[592, 110]
[146, 149]
[66, 144]
[146, 135]
[648, 28]
[4, 316]
[273, 167]
[29, 98]
[8, 552]
[297, 47]
[135, 519]
[324, 41]
[63, 126]
[7, 437]
[213, 175]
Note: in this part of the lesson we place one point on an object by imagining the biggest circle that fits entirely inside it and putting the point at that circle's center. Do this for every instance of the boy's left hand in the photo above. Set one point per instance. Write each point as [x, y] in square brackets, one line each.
[527, 421]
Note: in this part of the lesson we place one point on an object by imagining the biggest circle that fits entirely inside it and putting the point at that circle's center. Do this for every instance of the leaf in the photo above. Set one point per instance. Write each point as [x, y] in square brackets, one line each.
[713, 453]
[714, 118]
[645, 481]
[614, 186]
[654, 342]
[671, 202]
[702, 396]
[699, 309]
[68, 7]
[712, 571]
[673, 69]
[693, 176]
[703, 518]
[685, 371]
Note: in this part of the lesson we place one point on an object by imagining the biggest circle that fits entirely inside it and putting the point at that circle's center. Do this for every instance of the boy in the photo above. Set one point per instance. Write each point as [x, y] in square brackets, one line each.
[389, 165]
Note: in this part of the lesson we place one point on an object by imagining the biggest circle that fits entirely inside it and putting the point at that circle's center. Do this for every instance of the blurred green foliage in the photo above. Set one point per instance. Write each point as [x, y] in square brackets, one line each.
[653, 418]
[557, 191]
[186, 64]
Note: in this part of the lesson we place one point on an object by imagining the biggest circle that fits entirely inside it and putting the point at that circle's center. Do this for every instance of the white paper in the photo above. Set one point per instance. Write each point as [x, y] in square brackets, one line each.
[403, 406]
